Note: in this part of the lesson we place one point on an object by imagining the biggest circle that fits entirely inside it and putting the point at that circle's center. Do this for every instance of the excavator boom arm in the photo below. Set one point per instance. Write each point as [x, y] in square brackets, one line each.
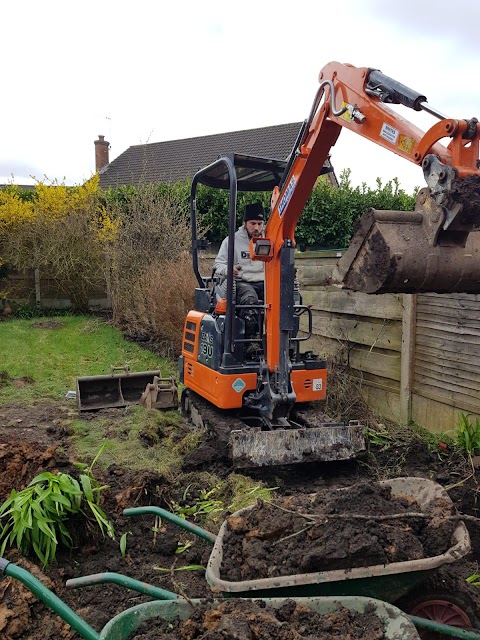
[356, 98]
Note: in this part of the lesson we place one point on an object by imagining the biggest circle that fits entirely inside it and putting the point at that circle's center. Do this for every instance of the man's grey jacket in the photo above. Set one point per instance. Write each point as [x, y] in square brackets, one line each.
[251, 271]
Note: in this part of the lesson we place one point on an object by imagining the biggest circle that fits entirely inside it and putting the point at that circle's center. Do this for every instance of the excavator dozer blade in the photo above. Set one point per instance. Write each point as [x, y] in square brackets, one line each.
[400, 252]
[256, 448]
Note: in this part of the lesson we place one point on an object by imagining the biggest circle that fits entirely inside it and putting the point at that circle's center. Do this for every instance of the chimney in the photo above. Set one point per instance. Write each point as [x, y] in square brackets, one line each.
[101, 153]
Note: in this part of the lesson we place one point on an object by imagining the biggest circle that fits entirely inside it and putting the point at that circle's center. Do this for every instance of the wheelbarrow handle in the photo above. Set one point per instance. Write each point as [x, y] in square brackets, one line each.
[123, 581]
[444, 629]
[171, 517]
[50, 599]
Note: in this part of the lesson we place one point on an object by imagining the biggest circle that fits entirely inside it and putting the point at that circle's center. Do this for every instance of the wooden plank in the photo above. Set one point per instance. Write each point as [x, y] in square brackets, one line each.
[380, 367]
[385, 384]
[385, 334]
[462, 378]
[409, 320]
[451, 313]
[460, 297]
[444, 387]
[458, 400]
[433, 415]
[315, 275]
[449, 348]
[386, 306]
[324, 347]
[448, 302]
[385, 364]
[455, 337]
[326, 254]
[453, 317]
[431, 358]
[469, 358]
[383, 402]
[430, 325]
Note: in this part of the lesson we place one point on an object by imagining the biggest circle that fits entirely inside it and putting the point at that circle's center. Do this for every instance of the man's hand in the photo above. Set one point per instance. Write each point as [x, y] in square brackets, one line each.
[236, 270]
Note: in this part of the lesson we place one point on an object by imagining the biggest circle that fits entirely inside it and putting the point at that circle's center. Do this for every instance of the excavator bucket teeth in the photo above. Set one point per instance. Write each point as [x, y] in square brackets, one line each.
[403, 252]
[256, 448]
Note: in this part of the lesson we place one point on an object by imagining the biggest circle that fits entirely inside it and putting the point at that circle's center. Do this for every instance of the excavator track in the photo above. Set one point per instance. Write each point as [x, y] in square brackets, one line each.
[314, 438]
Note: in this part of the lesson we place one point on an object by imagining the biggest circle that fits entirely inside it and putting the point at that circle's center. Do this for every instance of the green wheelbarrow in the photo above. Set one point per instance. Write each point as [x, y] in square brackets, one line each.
[397, 625]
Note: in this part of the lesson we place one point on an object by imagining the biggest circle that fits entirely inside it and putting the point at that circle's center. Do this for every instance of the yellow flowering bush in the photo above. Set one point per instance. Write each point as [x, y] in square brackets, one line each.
[60, 230]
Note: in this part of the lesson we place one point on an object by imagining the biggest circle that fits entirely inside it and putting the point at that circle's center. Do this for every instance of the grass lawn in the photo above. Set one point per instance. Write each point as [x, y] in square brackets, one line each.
[54, 358]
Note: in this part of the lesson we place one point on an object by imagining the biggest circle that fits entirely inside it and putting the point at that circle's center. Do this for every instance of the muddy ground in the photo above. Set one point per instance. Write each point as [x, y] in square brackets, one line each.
[38, 438]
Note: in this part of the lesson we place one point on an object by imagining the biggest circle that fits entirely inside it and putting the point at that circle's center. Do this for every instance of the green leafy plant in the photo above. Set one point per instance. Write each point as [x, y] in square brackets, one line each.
[207, 504]
[467, 436]
[36, 518]
[91, 491]
[474, 580]
[123, 543]
[379, 437]
[183, 546]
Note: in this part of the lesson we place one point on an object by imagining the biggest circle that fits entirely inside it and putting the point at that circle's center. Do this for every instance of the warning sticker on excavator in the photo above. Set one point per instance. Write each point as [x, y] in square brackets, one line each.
[286, 196]
[389, 133]
[405, 143]
[346, 115]
[239, 385]
[317, 384]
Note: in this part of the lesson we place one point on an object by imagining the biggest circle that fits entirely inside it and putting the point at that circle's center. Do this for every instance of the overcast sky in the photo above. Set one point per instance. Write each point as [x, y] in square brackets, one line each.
[149, 71]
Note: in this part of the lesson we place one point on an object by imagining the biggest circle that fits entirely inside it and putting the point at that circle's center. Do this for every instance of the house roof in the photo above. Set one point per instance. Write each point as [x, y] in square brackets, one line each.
[176, 160]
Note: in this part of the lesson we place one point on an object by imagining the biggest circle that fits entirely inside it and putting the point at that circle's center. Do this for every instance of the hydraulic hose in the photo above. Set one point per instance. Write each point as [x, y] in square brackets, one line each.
[123, 581]
[171, 517]
[49, 598]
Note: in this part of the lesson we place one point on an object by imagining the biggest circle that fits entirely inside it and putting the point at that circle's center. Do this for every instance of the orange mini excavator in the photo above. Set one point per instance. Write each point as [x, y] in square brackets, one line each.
[252, 403]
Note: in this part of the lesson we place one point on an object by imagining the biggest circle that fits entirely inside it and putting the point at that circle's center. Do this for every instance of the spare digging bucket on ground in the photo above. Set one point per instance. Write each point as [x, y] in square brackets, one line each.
[120, 389]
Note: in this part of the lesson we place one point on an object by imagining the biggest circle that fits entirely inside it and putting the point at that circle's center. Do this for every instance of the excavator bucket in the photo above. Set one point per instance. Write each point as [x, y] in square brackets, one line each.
[114, 390]
[328, 442]
[162, 393]
[413, 252]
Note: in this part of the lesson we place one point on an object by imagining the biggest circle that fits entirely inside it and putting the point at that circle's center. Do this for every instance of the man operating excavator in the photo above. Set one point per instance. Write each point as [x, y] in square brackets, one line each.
[249, 274]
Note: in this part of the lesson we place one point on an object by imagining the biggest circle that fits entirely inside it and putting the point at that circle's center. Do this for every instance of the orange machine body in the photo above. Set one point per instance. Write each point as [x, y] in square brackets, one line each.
[227, 390]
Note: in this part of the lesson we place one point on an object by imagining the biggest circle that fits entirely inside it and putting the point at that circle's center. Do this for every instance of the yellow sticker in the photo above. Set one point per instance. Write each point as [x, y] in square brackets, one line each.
[406, 144]
[346, 115]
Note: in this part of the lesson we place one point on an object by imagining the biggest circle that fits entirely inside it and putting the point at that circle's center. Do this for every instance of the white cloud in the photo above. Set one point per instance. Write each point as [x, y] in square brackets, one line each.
[162, 71]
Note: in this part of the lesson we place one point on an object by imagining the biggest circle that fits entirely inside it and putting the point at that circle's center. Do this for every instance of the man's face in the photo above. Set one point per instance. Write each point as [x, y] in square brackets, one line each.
[254, 228]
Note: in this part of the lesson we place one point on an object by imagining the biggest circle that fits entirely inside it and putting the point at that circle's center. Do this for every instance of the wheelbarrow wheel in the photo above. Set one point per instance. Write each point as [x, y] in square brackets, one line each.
[445, 608]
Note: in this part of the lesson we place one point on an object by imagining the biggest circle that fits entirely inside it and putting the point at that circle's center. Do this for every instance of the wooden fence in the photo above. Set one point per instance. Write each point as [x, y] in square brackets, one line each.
[36, 289]
[418, 356]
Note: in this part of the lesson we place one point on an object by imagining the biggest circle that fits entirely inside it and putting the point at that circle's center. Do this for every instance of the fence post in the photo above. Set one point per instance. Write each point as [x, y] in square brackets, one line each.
[409, 321]
[38, 294]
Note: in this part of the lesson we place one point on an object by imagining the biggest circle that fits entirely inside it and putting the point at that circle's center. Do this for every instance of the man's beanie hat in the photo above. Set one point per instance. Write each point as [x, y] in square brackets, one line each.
[254, 212]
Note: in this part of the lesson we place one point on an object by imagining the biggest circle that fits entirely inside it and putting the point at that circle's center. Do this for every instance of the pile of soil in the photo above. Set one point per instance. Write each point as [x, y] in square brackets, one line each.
[250, 620]
[37, 437]
[305, 534]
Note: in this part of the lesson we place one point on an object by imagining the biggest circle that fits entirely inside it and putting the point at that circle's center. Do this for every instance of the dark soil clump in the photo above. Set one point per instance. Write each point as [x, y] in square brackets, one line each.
[250, 620]
[294, 536]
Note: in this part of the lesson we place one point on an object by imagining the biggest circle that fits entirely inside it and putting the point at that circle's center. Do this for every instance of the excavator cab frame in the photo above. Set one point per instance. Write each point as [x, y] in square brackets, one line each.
[216, 367]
